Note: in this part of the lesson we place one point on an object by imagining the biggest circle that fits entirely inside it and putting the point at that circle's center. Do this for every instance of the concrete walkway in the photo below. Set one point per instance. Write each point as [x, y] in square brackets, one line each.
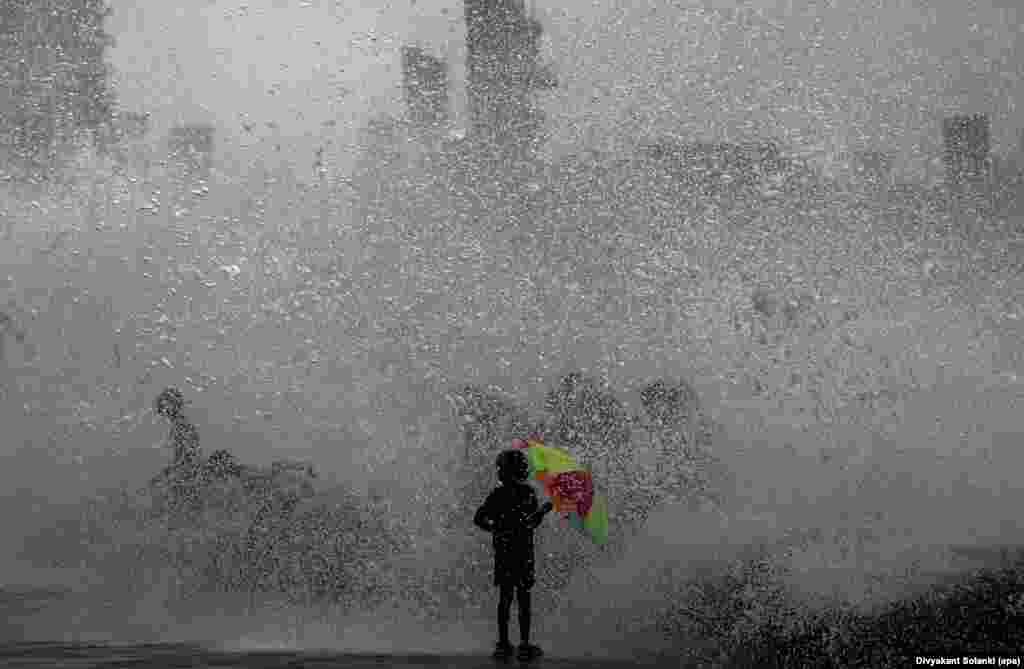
[55, 655]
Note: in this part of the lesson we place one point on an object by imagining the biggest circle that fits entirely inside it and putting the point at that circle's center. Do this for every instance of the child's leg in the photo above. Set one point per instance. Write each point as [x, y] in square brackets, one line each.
[523, 595]
[504, 609]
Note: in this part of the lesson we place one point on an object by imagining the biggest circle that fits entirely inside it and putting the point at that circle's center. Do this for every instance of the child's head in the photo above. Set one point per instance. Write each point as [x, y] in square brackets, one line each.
[513, 467]
[170, 403]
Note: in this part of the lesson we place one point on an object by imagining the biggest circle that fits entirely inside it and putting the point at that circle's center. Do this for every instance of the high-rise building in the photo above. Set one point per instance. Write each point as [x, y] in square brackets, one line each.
[503, 71]
[966, 139]
[425, 81]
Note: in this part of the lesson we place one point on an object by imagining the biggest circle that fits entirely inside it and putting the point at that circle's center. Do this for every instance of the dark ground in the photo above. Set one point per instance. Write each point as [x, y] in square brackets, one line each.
[56, 655]
[19, 603]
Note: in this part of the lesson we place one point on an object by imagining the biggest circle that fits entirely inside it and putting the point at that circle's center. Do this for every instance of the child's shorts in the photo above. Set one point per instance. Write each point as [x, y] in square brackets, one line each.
[514, 570]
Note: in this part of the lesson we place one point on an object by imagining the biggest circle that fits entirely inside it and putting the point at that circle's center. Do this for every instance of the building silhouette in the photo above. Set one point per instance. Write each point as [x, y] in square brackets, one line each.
[425, 82]
[503, 72]
[966, 142]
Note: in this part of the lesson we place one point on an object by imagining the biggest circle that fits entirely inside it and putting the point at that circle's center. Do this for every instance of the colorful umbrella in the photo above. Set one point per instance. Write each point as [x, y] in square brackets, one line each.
[569, 486]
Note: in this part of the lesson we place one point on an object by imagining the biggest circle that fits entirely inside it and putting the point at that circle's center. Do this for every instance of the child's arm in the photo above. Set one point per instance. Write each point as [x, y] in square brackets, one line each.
[534, 521]
[483, 518]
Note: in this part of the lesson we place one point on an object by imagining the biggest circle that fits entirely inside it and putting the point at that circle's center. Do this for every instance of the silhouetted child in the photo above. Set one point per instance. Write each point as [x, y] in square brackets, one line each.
[181, 475]
[184, 439]
[511, 513]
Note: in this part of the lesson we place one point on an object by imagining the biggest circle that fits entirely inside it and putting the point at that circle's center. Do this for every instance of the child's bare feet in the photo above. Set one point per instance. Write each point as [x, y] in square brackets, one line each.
[529, 651]
[503, 649]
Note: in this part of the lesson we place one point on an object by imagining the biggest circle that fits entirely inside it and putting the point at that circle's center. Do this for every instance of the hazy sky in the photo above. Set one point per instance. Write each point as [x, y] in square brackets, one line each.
[851, 73]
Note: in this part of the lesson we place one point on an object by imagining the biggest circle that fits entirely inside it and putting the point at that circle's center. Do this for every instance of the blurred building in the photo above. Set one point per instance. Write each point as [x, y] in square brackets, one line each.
[966, 143]
[425, 83]
[503, 72]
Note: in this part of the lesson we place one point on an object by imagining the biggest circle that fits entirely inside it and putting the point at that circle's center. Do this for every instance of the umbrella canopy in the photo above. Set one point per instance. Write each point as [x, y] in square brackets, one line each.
[569, 486]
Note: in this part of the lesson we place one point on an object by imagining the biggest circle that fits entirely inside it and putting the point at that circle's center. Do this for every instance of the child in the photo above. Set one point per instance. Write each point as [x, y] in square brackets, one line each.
[511, 514]
[180, 477]
[170, 404]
